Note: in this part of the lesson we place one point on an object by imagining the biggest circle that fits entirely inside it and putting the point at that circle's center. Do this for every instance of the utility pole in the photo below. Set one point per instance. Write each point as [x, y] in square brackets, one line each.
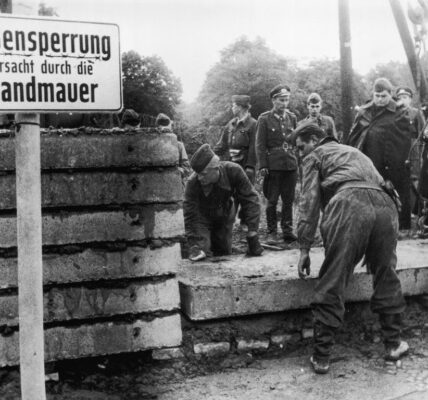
[346, 74]
[416, 69]
[29, 240]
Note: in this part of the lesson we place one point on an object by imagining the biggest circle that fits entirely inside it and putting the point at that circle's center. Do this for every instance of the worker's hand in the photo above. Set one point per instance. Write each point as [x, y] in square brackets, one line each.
[264, 172]
[250, 173]
[304, 265]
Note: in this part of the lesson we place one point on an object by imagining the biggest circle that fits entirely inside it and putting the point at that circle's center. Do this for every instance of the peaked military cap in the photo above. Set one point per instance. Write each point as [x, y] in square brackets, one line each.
[280, 90]
[241, 100]
[404, 90]
[201, 158]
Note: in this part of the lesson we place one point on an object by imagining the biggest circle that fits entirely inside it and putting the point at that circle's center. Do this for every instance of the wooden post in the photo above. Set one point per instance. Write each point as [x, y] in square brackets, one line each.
[29, 239]
[346, 74]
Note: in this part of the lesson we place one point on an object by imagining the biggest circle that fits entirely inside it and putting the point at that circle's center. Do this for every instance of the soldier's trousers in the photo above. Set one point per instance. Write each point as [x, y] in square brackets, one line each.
[214, 236]
[280, 183]
[358, 222]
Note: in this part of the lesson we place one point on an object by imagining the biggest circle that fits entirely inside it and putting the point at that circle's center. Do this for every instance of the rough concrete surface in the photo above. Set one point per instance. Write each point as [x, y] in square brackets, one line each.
[68, 303]
[137, 224]
[62, 151]
[240, 285]
[98, 264]
[99, 339]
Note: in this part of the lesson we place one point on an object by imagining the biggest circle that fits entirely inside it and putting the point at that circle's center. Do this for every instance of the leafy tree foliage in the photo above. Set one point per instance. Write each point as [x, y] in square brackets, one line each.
[149, 87]
[47, 10]
[245, 67]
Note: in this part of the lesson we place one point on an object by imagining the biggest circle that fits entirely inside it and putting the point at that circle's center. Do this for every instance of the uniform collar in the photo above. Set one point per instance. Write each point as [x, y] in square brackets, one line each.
[242, 121]
[278, 116]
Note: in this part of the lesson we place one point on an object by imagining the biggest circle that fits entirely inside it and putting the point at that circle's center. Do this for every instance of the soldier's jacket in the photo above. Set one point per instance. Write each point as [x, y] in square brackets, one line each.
[239, 136]
[325, 122]
[274, 148]
[233, 183]
[325, 170]
[384, 135]
[417, 121]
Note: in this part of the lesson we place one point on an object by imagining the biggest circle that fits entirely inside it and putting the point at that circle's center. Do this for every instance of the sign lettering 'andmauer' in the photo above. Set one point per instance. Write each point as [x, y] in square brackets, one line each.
[55, 65]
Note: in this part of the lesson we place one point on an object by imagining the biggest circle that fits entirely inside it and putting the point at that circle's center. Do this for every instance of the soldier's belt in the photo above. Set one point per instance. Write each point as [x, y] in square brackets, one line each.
[284, 147]
[359, 184]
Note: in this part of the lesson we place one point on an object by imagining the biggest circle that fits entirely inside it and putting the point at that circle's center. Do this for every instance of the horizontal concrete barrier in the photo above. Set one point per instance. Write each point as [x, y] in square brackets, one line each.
[67, 303]
[92, 189]
[245, 286]
[67, 228]
[98, 264]
[99, 339]
[113, 150]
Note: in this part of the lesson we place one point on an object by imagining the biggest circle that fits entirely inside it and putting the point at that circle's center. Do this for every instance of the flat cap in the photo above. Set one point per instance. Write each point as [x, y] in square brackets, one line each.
[162, 120]
[305, 129]
[241, 100]
[280, 90]
[201, 158]
[314, 98]
[404, 90]
[130, 117]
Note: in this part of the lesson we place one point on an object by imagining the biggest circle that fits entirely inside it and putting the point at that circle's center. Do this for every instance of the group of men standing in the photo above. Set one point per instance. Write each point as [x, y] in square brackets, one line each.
[354, 186]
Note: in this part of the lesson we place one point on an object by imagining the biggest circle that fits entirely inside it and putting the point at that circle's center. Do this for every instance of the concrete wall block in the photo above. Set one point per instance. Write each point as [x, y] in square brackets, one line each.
[307, 333]
[99, 339]
[211, 349]
[167, 354]
[283, 339]
[146, 222]
[250, 345]
[98, 151]
[63, 304]
[96, 264]
[108, 188]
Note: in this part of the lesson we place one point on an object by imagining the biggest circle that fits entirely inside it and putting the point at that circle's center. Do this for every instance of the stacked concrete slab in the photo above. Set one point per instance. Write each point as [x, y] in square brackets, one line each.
[112, 221]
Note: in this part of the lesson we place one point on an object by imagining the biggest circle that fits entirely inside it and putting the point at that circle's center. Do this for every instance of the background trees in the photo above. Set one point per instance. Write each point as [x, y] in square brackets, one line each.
[149, 87]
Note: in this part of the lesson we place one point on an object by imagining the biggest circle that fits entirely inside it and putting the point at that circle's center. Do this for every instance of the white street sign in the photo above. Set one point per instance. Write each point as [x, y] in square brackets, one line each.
[51, 65]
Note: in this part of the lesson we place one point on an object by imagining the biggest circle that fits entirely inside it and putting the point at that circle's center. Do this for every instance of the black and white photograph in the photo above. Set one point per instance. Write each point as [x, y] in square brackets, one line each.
[213, 199]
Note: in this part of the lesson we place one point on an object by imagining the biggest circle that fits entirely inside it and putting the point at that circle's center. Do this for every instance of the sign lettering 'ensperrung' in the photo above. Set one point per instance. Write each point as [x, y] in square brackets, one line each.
[53, 65]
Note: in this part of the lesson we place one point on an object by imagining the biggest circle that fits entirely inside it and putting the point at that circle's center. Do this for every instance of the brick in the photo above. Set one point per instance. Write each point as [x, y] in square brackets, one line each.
[96, 264]
[98, 151]
[137, 224]
[68, 303]
[211, 349]
[281, 340]
[167, 354]
[307, 333]
[90, 189]
[99, 339]
[246, 286]
[250, 345]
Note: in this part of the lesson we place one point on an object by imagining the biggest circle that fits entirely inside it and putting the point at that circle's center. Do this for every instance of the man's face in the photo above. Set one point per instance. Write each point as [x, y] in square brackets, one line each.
[210, 174]
[280, 103]
[314, 109]
[236, 109]
[381, 99]
[305, 148]
[405, 99]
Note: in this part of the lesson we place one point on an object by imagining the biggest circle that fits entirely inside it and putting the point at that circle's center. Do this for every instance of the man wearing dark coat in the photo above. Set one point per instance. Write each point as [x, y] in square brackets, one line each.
[359, 219]
[277, 162]
[237, 141]
[209, 206]
[382, 130]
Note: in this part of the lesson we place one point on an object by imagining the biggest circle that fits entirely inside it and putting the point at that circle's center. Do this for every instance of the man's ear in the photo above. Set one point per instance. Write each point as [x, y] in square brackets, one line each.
[315, 139]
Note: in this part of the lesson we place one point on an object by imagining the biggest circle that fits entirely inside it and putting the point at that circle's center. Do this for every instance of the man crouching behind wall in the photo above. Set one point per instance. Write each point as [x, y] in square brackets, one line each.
[209, 209]
[359, 219]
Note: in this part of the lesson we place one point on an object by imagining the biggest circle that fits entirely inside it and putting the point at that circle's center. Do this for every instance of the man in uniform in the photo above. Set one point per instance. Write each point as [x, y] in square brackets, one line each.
[238, 139]
[209, 209]
[326, 123]
[382, 131]
[359, 220]
[277, 162]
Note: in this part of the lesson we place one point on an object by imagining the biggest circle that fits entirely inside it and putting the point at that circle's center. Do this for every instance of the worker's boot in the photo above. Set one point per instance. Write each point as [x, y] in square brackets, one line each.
[272, 238]
[391, 329]
[323, 343]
